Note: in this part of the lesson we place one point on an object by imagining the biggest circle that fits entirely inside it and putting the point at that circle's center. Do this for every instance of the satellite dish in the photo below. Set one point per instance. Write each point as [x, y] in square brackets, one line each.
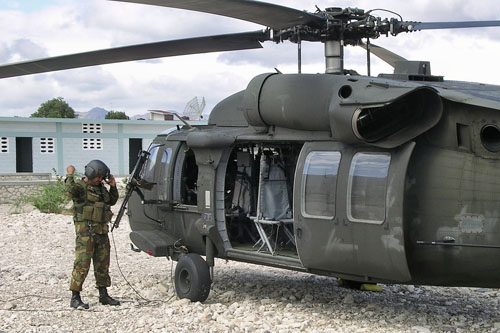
[194, 108]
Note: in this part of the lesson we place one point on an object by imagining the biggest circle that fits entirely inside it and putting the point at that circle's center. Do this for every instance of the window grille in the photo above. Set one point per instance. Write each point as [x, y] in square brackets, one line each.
[91, 144]
[91, 128]
[47, 145]
[4, 145]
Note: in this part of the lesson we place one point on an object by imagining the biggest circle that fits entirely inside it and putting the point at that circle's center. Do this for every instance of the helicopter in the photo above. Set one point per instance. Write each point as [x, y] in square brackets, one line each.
[390, 179]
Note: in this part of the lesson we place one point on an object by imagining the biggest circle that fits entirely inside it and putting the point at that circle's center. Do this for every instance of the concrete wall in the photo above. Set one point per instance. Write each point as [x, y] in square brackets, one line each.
[8, 153]
[44, 159]
[15, 186]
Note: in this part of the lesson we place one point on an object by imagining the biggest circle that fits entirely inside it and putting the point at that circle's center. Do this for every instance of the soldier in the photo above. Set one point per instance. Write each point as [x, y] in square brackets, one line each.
[91, 216]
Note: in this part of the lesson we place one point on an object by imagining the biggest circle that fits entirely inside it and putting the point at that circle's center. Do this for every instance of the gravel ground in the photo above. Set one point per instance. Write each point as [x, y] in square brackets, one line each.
[37, 258]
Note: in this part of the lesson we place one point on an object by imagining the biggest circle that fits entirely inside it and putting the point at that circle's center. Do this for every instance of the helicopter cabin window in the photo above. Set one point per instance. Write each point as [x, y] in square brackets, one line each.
[148, 171]
[320, 184]
[189, 185]
[367, 187]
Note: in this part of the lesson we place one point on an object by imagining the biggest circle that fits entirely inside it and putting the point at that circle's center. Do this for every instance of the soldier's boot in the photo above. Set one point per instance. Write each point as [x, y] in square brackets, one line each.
[76, 301]
[105, 299]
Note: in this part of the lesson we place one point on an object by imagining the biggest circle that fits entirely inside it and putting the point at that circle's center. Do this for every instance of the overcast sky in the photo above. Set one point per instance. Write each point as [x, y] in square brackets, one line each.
[33, 29]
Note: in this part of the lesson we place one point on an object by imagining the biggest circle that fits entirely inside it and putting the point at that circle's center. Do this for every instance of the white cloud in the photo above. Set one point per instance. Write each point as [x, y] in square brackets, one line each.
[75, 26]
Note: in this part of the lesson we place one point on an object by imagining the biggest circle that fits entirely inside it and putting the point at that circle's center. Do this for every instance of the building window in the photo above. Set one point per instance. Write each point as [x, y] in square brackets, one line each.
[91, 144]
[319, 184]
[4, 145]
[47, 146]
[367, 187]
[91, 128]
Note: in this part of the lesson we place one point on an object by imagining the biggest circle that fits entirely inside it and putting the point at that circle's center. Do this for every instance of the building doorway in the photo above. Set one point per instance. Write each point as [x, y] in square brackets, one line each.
[134, 147]
[24, 154]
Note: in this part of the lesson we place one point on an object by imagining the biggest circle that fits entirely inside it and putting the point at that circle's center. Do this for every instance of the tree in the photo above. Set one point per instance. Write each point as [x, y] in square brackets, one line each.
[54, 108]
[116, 115]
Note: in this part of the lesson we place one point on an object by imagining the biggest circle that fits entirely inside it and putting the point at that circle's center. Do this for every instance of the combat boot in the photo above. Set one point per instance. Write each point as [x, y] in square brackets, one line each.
[105, 299]
[76, 301]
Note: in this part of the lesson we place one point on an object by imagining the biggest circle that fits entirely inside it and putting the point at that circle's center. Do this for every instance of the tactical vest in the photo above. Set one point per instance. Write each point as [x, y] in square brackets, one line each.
[91, 207]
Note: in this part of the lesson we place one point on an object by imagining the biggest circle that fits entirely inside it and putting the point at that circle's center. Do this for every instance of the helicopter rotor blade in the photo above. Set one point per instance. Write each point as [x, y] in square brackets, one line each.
[215, 43]
[414, 26]
[388, 56]
[267, 14]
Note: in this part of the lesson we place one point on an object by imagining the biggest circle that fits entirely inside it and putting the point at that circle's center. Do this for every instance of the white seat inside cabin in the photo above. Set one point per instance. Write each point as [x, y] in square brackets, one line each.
[273, 207]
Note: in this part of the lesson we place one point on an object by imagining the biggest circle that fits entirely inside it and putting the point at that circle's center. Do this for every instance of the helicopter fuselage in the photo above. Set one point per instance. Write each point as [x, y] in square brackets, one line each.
[367, 179]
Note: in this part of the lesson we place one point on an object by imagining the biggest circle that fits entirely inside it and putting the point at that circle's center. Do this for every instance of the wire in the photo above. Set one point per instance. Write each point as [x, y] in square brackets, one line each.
[130, 285]
[145, 303]
[384, 10]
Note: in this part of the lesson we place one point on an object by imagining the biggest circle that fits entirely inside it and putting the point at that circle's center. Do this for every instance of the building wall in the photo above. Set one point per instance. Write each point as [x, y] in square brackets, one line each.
[57, 143]
[44, 156]
[74, 154]
[7, 153]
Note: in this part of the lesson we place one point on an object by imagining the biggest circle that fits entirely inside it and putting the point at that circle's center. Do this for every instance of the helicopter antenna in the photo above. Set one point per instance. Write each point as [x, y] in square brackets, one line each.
[299, 51]
[368, 63]
[176, 115]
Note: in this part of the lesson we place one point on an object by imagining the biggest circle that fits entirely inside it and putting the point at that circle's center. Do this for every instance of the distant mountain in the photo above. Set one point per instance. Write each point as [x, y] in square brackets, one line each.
[144, 116]
[94, 113]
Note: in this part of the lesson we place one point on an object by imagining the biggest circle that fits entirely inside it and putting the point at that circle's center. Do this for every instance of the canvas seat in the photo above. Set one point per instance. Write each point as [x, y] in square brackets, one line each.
[273, 207]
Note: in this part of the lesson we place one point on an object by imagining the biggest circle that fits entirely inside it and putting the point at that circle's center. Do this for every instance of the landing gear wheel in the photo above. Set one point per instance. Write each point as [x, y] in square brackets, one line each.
[350, 284]
[192, 278]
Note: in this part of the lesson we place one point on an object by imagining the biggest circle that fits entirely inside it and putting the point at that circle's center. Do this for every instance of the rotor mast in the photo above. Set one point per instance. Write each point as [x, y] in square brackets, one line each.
[334, 57]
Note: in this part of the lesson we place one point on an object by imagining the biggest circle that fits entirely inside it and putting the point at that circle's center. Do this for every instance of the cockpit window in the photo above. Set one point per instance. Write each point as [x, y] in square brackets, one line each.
[148, 171]
[367, 187]
[165, 173]
[165, 162]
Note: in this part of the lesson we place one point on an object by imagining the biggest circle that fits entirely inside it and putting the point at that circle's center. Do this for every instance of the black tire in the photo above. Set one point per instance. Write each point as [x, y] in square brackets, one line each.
[350, 284]
[192, 278]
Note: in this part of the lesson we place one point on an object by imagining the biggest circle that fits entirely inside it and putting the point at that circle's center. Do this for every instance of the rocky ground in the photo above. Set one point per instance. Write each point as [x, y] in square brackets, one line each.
[36, 262]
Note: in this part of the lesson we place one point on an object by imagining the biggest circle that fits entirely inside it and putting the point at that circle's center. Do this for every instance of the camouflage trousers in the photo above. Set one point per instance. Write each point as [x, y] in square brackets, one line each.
[95, 248]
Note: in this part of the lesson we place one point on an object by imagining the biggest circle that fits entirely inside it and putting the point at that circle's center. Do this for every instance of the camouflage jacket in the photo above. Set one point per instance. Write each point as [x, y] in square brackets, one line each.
[91, 205]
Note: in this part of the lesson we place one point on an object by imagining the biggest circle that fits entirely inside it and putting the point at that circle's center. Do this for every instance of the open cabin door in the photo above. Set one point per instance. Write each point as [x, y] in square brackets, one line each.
[348, 209]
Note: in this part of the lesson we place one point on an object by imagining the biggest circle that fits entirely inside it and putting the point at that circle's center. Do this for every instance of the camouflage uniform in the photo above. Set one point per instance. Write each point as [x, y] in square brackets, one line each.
[91, 216]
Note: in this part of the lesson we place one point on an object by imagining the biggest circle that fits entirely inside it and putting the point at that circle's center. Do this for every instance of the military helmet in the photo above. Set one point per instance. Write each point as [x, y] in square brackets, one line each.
[96, 168]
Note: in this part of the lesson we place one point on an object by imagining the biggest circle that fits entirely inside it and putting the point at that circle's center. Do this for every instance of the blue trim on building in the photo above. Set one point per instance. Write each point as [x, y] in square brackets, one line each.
[59, 149]
[120, 150]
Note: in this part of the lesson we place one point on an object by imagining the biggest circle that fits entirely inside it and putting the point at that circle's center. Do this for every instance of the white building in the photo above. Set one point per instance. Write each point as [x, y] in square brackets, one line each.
[42, 144]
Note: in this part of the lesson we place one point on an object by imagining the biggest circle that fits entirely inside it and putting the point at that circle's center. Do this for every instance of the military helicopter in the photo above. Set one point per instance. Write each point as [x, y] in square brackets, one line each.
[388, 179]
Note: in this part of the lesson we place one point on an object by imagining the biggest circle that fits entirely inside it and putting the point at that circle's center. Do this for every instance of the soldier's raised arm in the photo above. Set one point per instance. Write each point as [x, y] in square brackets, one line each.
[72, 189]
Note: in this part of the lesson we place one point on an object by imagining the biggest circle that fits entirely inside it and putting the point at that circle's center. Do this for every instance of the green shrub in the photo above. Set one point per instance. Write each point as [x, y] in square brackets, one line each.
[51, 198]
